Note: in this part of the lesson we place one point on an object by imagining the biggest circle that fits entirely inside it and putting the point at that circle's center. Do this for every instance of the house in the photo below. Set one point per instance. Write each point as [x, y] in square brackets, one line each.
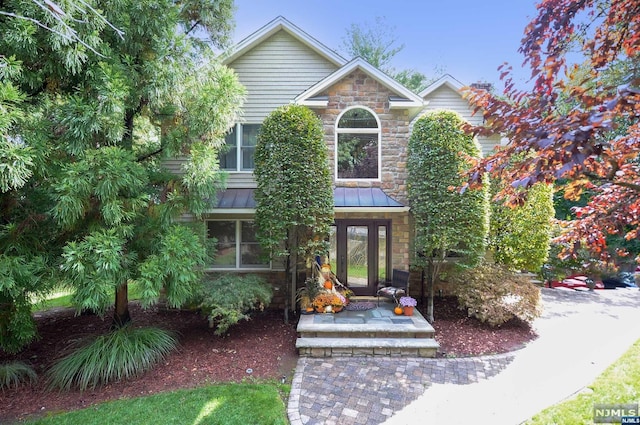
[361, 108]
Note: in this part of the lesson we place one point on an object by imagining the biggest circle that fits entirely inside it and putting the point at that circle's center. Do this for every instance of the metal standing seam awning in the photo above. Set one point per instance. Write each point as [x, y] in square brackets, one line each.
[370, 199]
[346, 199]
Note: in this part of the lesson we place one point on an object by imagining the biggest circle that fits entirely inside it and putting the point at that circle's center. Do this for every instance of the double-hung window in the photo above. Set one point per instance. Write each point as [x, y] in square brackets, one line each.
[240, 146]
[236, 245]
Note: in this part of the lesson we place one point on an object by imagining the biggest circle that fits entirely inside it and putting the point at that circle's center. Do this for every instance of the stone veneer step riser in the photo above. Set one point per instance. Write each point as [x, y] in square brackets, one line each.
[368, 352]
[367, 334]
[328, 347]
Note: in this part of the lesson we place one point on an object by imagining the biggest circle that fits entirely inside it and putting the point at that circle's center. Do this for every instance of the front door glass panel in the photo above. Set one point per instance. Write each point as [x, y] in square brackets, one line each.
[358, 256]
[382, 253]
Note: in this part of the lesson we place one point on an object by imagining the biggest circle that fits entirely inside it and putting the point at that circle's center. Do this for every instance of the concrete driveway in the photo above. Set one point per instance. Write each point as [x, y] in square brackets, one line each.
[580, 334]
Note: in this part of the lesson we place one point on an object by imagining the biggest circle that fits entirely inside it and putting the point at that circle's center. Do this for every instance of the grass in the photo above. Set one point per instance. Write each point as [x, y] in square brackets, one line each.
[225, 404]
[13, 374]
[62, 298]
[618, 384]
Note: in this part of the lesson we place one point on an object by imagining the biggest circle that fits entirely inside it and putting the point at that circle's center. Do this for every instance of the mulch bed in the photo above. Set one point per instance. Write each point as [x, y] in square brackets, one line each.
[461, 336]
[262, 348]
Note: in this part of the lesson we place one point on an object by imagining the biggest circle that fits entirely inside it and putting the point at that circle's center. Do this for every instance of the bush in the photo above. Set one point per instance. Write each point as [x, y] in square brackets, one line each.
[495, 295]
[15, 373]
[229, 298]
[520, 236]
[121, 354]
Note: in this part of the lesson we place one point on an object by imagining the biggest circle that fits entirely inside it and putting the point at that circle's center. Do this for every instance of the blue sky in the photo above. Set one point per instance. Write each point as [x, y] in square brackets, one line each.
[468, 39]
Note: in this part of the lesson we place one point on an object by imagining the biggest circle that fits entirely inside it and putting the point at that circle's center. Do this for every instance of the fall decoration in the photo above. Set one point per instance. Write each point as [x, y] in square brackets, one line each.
[328, 302]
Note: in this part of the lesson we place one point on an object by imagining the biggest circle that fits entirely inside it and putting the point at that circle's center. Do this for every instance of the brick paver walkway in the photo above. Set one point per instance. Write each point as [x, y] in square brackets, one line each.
[590, 329]
[369, 390]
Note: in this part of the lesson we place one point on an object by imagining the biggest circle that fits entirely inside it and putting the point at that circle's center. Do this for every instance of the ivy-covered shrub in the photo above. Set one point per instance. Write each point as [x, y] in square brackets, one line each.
[448, 223]
[494, 294]
[229, 298]
[294, 193]
[520, 236]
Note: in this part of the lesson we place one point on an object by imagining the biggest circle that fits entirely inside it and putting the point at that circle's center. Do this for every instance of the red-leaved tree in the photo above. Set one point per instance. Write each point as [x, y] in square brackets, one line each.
[573, 123]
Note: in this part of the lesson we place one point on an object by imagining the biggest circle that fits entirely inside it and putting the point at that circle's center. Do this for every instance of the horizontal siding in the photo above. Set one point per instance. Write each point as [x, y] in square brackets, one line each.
[446, 98]
[489, 144]
[449, 99]
[174, 165]
[241, 181]
[275, 72]
[234, 180]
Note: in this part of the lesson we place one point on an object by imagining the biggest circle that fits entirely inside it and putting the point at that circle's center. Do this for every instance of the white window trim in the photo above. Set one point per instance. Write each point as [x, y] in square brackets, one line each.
[237, 267]
[356, 131]
[239, 127]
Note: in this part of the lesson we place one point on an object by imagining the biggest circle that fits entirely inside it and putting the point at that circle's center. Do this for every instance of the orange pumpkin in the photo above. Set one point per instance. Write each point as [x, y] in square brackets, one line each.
[328, 284]
[398, 310]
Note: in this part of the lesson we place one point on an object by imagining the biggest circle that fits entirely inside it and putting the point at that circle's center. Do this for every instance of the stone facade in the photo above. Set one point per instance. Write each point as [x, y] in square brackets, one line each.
[359, 89]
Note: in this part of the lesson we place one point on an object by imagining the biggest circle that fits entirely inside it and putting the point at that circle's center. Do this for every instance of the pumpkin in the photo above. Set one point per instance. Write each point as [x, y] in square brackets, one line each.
[328, 284]
[398, 310]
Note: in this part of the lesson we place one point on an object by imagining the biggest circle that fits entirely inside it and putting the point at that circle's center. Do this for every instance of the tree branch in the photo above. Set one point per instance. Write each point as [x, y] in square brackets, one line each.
[150, 154]
[192, 27]
[632, 186]
[66, 37]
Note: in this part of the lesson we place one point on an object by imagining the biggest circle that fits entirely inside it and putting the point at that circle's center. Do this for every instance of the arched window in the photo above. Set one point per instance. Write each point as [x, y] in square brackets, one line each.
[358, 145]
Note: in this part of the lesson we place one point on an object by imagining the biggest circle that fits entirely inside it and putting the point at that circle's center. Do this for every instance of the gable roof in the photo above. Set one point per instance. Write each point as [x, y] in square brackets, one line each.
[447, 81]
[404, 98]
[278, 24]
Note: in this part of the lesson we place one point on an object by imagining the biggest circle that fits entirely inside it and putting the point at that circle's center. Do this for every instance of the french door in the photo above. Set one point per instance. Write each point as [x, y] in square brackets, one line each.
[360, 253]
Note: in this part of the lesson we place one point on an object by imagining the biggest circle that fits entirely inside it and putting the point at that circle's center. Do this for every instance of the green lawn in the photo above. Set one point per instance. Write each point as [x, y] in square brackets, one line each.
[62, 298]
[216, 404]
[619, 384]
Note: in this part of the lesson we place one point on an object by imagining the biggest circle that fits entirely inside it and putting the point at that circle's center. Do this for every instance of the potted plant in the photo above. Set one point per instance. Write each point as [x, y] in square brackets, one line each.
[408, 304]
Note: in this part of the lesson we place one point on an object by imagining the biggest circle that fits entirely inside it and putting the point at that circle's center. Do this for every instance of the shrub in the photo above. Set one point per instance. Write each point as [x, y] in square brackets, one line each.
[520, 236]
[495, 295]
[121, 354]
[448, 223]
[229, 298]
[15, 373]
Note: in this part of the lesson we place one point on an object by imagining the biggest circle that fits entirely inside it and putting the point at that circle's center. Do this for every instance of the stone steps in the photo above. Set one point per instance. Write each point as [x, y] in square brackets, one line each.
[375, 332]
[364, 330]
[356, 347]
